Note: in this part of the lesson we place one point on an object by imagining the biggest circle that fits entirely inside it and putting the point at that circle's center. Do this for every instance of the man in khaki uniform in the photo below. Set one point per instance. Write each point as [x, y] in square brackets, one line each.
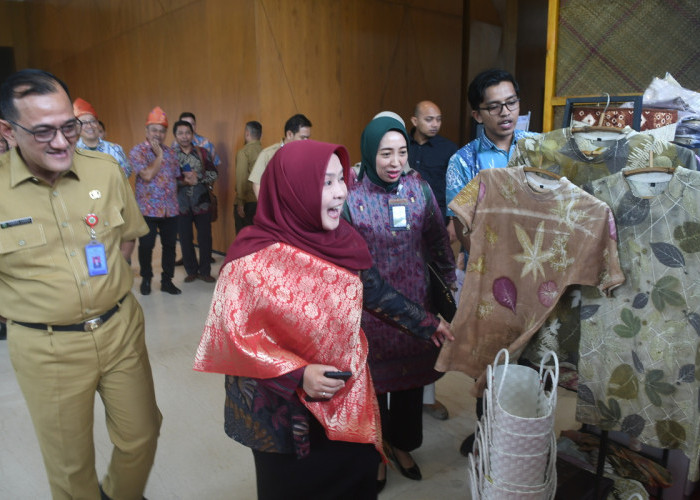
[68, 221]
[297, 128]
[246, 201]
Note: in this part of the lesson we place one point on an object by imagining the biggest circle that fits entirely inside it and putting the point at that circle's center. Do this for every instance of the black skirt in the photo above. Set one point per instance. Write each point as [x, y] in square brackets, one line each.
[332, 470]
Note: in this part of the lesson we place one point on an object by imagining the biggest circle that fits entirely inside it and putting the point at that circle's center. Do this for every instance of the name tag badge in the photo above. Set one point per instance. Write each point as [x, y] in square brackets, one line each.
[96, 258]
[398, 215]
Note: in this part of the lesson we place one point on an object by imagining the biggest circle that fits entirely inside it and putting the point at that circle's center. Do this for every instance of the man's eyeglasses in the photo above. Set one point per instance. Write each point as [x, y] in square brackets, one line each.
[70, 130]
[497, 107]
[89, 123]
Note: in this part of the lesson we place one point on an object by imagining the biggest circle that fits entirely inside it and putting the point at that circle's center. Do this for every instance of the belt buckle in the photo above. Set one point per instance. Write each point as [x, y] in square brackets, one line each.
[92, 324]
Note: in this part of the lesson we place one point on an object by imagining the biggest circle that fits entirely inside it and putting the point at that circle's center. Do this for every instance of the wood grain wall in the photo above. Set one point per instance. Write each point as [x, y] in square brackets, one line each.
[229, 61]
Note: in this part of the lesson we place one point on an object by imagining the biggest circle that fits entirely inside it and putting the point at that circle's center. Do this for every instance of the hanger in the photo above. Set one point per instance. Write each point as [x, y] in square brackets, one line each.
[599, 127]
[542, 171]
[650, 168]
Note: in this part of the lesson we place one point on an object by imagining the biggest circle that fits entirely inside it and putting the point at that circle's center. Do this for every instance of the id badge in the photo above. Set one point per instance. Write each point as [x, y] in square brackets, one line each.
[96, 258]
[398, 214]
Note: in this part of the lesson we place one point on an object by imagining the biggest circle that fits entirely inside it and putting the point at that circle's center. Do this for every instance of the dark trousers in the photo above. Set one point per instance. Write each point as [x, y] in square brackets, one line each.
[333, 470]
[249, 211]
[167, 228]
[402, 418]
[189, 258]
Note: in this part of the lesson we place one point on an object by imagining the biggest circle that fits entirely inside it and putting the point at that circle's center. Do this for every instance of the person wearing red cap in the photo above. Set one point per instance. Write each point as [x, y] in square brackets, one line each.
[90, 135]
[157, 168]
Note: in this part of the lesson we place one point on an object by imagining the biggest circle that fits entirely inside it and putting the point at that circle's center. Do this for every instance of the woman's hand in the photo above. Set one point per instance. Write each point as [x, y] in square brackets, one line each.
[317, 385]
[442, 333]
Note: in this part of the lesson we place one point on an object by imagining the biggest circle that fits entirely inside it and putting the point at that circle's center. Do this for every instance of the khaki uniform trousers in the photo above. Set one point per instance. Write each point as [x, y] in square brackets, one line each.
[59, 373]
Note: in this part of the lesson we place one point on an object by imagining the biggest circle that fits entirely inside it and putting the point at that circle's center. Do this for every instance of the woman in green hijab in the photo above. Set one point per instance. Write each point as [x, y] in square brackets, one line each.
[396, 213]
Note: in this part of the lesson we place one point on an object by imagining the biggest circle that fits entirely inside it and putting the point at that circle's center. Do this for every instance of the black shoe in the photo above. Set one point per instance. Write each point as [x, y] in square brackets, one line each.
[179, 262]
[467, 445]
[145, 286]
[412, 472]
[167, 286]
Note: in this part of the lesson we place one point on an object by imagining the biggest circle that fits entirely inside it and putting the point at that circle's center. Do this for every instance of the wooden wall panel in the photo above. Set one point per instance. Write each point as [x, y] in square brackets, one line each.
[231, 61]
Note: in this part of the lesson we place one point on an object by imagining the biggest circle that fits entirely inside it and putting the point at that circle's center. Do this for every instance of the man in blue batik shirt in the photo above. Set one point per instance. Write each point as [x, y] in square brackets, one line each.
[495, 102]
[90, 137]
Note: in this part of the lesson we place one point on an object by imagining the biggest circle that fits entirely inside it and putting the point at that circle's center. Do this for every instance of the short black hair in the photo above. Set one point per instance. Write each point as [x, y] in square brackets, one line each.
[187, 114]
[181, 123]
[255, 129]
[295, 123]
[486, 79]
[23, 83]
[102, 125]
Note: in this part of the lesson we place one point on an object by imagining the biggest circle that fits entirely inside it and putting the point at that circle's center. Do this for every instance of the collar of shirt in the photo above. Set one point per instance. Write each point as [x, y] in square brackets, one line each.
[81, 144]
[20, 173]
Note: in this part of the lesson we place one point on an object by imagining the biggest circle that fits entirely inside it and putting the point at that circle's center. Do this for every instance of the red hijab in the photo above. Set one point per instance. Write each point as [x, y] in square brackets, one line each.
[289, 208]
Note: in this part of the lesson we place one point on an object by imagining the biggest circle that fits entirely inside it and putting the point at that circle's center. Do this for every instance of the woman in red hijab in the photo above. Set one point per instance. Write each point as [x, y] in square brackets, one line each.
[286, 311]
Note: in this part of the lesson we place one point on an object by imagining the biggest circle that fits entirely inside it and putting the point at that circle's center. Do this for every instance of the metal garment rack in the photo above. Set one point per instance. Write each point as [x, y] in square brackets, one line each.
[636, 125]
[609, 99]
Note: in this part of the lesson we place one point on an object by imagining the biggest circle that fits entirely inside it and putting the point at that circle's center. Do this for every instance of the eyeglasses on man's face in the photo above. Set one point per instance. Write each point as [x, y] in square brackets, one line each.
[89, 123]
[496, 108]
[44, 133]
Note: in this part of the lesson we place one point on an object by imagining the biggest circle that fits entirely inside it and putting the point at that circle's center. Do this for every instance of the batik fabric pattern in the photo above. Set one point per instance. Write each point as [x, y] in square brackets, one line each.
[562, 151]
[399, 361]
[528, 244]
[276, 311]
[114, 150]
[639, 360]
[157, 197]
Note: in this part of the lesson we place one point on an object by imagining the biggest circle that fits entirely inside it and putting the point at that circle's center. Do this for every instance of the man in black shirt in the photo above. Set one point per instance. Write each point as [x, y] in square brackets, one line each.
[429, 152]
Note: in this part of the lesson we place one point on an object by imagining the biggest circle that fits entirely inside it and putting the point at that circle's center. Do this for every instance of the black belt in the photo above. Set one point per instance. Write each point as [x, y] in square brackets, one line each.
[87, 326]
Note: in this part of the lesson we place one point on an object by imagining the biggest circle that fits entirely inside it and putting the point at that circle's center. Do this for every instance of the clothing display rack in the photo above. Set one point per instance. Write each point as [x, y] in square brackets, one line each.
[636, 99]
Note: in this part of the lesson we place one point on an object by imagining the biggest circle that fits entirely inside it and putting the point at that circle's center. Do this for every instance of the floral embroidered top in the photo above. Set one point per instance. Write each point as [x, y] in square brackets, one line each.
[399, 361]
[157, 197]
[531, 237]
[639, 360]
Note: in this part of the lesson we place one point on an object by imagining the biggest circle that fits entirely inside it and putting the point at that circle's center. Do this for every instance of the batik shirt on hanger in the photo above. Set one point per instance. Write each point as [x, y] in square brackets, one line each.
[565, 152]
[639, 366]
[530, 238]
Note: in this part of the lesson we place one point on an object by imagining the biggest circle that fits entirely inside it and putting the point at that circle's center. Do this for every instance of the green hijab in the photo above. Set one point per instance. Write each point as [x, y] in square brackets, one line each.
[371, 137]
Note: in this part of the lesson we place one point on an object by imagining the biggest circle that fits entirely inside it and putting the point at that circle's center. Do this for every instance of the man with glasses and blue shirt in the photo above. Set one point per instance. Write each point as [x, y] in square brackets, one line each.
[495, 102]
[90, 135]
[68, 222]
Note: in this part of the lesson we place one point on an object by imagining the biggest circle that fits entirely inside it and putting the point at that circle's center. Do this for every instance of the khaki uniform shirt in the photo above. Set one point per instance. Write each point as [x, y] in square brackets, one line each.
[261, 163]
[245, 160]
[43, 269]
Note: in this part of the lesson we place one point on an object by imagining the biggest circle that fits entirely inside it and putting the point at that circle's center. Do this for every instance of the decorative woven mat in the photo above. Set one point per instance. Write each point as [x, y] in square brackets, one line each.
[618, 47]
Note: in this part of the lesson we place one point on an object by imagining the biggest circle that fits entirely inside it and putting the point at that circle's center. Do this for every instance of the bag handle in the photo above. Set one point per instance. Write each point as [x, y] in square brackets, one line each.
[546, 357]
[506, 355]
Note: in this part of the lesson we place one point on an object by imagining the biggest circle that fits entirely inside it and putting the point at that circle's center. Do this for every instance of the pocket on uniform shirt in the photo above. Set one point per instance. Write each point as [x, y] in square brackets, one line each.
[23, 251]
[109, 220]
